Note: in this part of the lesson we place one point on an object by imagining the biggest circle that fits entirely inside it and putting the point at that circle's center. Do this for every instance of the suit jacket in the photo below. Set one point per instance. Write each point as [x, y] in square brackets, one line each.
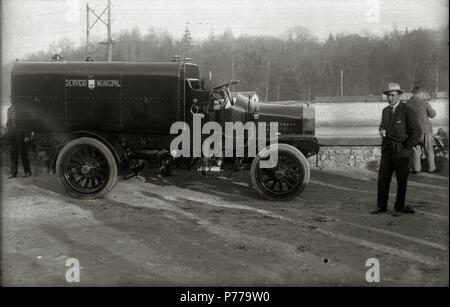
[11, 134]
[9, 125]
[424, 112]
[402, 130]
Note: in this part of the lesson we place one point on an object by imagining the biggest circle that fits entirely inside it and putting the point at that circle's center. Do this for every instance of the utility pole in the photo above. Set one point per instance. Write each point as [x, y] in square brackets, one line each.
[267, 81]
[342, 82]
[437, 73]
[109, 33]
[87, 29]
[109, 42]
[232, 73]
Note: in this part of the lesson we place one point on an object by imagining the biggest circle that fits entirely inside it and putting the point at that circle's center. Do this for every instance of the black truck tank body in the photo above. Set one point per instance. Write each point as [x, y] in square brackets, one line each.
[123, 97]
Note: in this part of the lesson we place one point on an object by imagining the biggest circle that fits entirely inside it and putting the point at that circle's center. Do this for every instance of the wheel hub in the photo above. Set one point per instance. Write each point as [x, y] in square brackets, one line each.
[279, 174]
[85, 169]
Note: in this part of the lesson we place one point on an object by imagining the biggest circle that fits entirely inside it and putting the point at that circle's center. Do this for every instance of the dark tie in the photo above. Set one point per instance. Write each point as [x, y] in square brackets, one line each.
[391, 115]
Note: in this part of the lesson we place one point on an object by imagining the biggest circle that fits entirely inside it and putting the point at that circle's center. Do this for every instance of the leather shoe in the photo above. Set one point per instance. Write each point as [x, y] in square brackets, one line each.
[408, 209]
[396, 213]
[27, 174]
[12, 176]
[378, 211]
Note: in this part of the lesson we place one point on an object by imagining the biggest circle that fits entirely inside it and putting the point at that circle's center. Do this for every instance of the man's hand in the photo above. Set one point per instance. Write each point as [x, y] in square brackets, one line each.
[27, 140]
[383, 133]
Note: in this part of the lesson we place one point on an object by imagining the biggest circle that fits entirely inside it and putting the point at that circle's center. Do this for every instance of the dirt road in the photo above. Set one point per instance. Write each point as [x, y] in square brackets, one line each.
[190, 230]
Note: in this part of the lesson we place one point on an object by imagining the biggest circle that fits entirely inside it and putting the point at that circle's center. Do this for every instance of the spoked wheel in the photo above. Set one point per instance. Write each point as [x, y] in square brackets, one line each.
[287, 179]
[86, 168]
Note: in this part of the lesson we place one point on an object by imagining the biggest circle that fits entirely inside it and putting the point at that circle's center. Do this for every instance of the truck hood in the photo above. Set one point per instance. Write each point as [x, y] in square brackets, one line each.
[292, 119]
[285, 111]
[295, 119]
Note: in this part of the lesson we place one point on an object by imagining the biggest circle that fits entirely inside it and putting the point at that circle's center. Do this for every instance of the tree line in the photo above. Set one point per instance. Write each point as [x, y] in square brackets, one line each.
[295, 67]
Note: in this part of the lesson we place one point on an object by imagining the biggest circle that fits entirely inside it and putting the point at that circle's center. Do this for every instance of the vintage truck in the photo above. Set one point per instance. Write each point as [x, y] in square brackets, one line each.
[99, 120]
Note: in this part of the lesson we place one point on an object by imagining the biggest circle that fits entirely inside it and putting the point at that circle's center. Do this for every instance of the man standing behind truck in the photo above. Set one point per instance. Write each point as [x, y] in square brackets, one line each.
[18, 144]
[424, 112]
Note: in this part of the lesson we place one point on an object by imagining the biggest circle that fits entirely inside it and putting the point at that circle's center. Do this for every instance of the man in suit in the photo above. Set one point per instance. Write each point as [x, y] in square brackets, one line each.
[424, 112]
[400, 131]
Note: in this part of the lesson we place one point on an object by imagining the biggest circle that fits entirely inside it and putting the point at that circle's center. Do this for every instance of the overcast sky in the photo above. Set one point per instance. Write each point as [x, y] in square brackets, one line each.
[31, 25]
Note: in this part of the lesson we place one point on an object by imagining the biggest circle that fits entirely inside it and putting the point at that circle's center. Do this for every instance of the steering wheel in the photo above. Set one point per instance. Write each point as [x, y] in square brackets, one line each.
[226, 84]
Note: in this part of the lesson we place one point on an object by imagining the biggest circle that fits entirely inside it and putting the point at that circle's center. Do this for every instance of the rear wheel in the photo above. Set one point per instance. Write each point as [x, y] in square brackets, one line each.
[287, 179]
[86, 168]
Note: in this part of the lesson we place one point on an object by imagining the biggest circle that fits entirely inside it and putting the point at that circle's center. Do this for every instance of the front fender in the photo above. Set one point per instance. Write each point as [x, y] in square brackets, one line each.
[307, 144]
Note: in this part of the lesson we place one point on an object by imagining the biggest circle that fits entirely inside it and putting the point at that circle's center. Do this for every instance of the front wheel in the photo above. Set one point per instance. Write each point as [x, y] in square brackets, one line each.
[287, 179]
[86, 168]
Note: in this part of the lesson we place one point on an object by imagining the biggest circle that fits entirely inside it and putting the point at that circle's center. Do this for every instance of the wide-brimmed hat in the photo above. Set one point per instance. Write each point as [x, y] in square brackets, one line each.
[392, 86]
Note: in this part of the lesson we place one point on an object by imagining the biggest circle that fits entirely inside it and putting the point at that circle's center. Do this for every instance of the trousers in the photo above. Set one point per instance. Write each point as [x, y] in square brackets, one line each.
[18, 146]
[388, 165]
[427, 143]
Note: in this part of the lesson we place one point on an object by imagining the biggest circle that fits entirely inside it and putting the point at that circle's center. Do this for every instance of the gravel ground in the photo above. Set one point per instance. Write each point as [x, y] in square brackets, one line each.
[190, 230]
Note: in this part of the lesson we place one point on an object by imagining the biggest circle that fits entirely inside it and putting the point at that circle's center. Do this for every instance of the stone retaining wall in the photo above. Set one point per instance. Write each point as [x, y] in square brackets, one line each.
[346, 157]
[368, 157]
